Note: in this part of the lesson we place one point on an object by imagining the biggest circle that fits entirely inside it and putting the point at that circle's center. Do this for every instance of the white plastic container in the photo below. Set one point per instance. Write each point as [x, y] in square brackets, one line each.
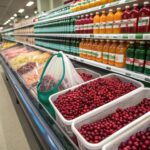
[88, 71]
[129, 100]
[66, 124]
[114, 144]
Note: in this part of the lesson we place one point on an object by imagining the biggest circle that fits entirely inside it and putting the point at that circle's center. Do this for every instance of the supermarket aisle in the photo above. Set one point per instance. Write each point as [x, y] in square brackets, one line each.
[12, 136]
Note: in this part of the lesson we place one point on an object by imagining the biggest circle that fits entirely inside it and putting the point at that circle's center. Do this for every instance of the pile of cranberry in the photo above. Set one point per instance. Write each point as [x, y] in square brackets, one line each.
[139, 141]
[86, 76]
[90, 96]
[97, 131]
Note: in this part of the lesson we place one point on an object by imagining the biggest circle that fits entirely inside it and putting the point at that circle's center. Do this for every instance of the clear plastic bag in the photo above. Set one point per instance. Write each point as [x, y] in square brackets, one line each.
[58, 74]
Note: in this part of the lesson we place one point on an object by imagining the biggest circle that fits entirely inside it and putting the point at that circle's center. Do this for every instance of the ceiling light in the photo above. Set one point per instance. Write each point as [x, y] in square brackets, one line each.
[15, 15]
[30, 3]
[20, 10]
[26, 17]
[12, 18]
[35, 12]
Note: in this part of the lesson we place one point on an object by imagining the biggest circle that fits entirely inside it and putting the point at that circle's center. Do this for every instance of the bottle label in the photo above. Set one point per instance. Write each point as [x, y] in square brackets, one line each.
[105, 55]
[139, 62]
[99, 54]
[124, 23]
[132, 22]
[81, 27]
[96, 26]
[147, 64]
[117, 24]
[119, 58]
[102, 25]
[129, 61]
[112, 56]
[143, 21]
[94, 53]
[109, 25]
[90, 26]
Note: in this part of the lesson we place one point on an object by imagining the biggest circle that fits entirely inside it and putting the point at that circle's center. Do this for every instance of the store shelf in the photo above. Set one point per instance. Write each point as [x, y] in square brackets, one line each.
[8, 39]
[120, 3]
[95, 36]
[121, 71]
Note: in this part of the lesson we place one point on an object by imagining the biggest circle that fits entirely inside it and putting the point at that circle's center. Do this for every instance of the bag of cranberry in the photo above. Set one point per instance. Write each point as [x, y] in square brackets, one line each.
[58, 74]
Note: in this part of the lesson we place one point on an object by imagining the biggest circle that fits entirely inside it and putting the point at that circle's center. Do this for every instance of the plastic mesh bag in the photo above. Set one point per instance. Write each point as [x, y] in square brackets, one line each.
[58, 74]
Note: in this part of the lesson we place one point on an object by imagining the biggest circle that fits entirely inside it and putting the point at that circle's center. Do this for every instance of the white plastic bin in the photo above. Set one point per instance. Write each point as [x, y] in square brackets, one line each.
[88, 71]
[66, 124]
[114, 144]
[127, 101]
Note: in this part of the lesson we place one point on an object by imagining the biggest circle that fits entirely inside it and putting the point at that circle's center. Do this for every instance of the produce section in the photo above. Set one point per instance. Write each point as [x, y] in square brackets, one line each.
[95, 91]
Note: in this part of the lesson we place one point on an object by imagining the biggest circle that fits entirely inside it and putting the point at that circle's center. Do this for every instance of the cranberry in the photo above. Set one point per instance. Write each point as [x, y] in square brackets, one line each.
[101, 129]
[90, 96]
[85, 76]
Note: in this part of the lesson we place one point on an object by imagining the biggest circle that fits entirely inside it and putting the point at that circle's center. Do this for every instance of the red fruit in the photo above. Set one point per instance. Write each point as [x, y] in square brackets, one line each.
[85, 76]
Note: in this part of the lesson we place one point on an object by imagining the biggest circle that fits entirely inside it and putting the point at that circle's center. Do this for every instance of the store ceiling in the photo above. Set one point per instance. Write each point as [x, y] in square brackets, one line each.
[9, 7]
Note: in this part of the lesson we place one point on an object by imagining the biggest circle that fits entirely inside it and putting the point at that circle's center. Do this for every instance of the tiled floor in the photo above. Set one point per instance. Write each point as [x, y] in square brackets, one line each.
[15, 133]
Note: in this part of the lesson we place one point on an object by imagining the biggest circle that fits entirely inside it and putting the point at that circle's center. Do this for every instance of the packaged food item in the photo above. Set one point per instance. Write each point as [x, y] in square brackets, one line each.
[117, 21]
[100, 51]
[109, 23]
[106, 52]
[140, 54]
[133, 20]
[96, 23]
[125, 20]
[103, 18]
[144, 18]
[130, 53]
[90, 27]
[120, 55]
[112, 53]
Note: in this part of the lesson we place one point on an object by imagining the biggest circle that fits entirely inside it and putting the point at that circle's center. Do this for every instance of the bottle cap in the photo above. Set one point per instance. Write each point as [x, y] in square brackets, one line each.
[103, 12]
[110, 10]
[91, 14]
[135, 5]
[127, 6]
[118, 8]
[146, 3]
[97, 13]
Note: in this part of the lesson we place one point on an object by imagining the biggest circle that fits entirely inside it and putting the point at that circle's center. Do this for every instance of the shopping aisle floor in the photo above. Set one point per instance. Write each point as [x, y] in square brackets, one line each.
[14, 128]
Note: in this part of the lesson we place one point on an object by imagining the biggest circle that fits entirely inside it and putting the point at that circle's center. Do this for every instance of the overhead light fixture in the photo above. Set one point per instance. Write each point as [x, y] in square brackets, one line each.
[21, 10]
[12, 18]
[15, 15]
[26, 17]
[30, 3]
[35, 12]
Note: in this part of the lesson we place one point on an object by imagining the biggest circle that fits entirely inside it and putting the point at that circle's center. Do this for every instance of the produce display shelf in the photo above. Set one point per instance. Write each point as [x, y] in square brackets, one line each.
[120, 3]
[48, 132]
[114, 69]
[94, 36]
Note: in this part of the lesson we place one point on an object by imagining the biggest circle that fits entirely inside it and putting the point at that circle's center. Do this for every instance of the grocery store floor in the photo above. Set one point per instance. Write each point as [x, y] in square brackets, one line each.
[15, 132]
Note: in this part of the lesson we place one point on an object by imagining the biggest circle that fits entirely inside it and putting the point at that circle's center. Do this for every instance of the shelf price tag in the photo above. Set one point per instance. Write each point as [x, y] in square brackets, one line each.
[131, 36]
[146, 37]
[108, 68]
[128, 74]
[114, 3]
[81, 60]
[147, 80]
[91, 35]
[139, 36]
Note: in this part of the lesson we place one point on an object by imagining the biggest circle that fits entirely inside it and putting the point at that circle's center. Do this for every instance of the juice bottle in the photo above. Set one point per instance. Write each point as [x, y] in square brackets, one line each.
[102, 23]
[109, 21]
[81, 47]
[82, 22]
[96, 23]
[98, 2]
[85, 48]
[144, 18]
[125, 17]
[133, 21]
[94, 50]
[87, 4]
[89, 49]
[112, 53]
[93, 3]
[105, 52]
[130, 53]
[140, 55]
[120, 55]
[104, 2]
[147, 63]
[77, 25]
[90, 26]
[86, 22]
[117, 21]
[100, 50]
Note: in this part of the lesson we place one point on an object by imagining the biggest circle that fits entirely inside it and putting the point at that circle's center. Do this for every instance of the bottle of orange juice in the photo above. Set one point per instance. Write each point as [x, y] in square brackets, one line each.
[100, 50]
[84, 54]
[112, 53]
[110, 1]
[104, 2]
[106, 52]
[89, 49]
[96, 21]
[109, 22]
[117, 21]
[102, 23]
[94, 50]
[120, 55]
[98, 2]
[81, 46]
